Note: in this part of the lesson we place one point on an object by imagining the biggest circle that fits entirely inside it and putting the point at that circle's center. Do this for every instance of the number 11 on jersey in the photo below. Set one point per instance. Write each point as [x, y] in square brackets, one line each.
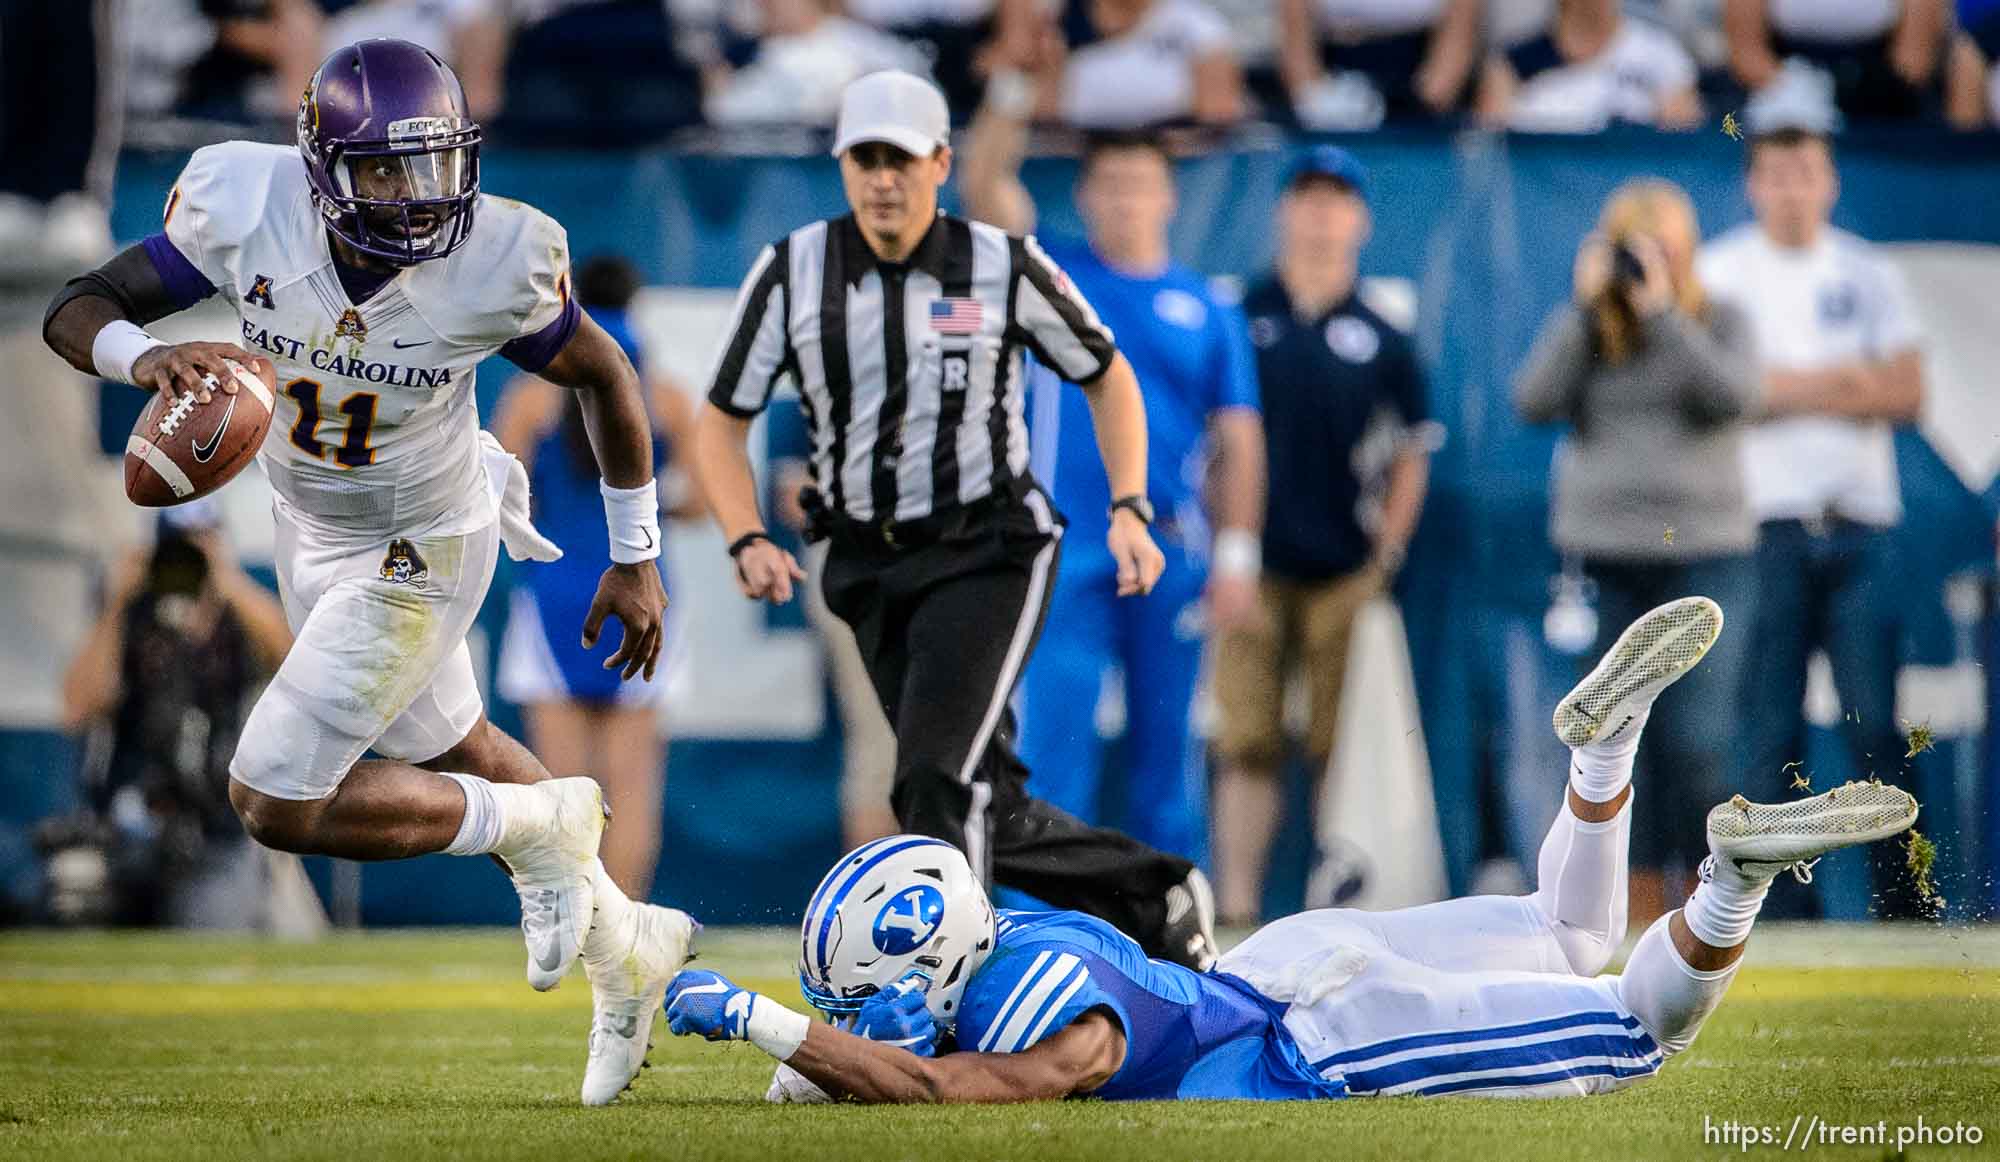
[359, 409]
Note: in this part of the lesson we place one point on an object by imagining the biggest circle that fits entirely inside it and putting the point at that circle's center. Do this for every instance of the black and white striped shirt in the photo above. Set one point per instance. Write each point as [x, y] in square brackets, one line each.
[910, 373]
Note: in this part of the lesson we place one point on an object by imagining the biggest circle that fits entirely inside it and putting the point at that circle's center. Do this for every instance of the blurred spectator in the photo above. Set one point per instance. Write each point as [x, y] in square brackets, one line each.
[1592, 67]
[1344, 59]
[805, 56]
[1129, 64]
[162, 683]
[960, 37]
[596, 73]
[469, 35]
[1349, 433]
[1881, 57]
[581, 719]
[1972, 70]
[220, 60]
[868, 744]
[1839, 352]
[1204, 486]
[56, 155]
[1655, 380]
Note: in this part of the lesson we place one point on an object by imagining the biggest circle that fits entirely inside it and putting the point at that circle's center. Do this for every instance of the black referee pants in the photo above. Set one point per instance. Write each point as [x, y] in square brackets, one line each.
[945, 628]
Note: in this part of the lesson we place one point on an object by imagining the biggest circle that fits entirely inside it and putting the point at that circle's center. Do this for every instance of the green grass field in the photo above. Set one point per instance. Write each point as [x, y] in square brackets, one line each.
[426, 1045]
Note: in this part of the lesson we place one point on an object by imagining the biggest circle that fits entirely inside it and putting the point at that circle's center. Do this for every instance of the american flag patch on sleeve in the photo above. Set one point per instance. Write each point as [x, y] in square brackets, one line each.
[956, 316]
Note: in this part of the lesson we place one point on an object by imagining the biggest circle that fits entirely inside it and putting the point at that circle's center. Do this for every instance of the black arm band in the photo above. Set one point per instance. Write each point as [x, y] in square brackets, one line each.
[129, 280]
[745, 541]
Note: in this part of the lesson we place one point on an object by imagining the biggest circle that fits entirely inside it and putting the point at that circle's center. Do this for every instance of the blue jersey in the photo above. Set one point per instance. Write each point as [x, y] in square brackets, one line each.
[1187, 1034]
[1192, 355]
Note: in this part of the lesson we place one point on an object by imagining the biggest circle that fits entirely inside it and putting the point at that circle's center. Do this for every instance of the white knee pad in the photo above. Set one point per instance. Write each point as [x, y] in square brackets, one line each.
[1669, 998]
[287, 753]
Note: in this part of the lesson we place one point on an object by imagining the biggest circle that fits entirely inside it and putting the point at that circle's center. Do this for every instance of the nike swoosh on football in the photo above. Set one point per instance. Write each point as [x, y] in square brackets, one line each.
[203, 452]
[399, 345]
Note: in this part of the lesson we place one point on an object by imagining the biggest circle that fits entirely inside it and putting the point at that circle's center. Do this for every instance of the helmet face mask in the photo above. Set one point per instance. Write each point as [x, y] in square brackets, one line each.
[391, 155]
[902, 906]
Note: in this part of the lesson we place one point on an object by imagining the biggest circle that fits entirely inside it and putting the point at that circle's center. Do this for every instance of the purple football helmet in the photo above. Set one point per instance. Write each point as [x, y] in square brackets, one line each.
[391, 154]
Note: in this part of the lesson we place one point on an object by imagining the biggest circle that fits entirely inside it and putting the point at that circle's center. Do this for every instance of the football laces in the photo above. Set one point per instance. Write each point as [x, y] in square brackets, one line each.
[182, 409]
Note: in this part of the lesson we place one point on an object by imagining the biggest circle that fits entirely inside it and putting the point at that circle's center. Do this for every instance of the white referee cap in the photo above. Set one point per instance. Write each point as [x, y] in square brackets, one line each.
[900, 108]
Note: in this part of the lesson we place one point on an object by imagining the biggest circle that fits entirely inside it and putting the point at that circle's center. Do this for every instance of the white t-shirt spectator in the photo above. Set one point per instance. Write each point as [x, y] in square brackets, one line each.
[1630, 80]
[796, 80]
[1834, 302]
[1841, 21]
[1146, 75]
[903, 13]
[430, 23]
[1352, 20]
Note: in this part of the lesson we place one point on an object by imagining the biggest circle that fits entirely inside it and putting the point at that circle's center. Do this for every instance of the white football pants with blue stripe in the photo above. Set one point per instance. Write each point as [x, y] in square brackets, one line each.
[1492, 995]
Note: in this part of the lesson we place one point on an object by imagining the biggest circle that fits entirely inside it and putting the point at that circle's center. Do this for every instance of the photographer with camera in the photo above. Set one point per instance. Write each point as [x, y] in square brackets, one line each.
[1655, 380]
[160, 689]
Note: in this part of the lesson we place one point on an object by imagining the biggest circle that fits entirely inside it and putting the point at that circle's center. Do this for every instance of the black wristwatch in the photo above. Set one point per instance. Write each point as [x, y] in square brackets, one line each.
[1137, 505]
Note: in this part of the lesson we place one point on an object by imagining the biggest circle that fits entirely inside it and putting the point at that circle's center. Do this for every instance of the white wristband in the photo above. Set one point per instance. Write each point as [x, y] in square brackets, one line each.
[1237, 553]
[633, 516]
[774, 1028]
[118, 346]
[1011, 93]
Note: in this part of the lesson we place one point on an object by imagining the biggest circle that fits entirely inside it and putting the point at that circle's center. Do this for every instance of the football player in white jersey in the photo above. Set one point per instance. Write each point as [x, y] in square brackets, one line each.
[372, 276]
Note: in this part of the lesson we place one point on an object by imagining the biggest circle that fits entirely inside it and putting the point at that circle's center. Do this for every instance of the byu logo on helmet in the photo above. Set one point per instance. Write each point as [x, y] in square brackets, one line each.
[908, 919]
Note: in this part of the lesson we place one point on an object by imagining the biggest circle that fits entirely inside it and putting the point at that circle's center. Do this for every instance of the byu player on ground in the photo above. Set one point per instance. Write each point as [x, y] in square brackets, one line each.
[1494, 995]
[373, 276]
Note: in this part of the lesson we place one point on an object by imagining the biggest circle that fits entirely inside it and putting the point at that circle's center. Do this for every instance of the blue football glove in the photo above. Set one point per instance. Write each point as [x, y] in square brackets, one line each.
[710, 1004]
[898, 1016]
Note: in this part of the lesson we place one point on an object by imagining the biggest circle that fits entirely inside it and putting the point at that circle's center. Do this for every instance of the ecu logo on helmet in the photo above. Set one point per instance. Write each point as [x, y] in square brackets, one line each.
[403, 565]
[350, 325]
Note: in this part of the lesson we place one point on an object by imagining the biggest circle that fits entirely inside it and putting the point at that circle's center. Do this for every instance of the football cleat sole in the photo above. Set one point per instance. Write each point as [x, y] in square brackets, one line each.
[1652, 653]
[1766, 838]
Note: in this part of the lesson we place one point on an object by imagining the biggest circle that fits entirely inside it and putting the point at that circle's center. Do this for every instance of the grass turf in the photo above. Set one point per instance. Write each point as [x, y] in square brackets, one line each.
[431, 1046]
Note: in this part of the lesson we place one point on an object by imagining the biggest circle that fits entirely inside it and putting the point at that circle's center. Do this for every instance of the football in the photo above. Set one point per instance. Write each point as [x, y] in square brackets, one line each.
[182, 450]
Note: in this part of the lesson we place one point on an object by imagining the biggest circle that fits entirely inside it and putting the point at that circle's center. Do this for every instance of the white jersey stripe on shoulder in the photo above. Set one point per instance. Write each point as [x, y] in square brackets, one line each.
[1007, 1006]
[1076, 981]
[1014, 1030]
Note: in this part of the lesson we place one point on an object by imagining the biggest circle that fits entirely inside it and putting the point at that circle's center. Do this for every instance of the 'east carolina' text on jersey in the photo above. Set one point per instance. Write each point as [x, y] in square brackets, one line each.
[909, 373]
[1187, 1034]
[378, 434]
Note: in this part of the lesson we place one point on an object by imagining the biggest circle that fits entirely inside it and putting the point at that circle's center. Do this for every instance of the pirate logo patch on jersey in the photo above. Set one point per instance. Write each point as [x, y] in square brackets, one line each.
[350, 325]
[260, 293]
[403, 565]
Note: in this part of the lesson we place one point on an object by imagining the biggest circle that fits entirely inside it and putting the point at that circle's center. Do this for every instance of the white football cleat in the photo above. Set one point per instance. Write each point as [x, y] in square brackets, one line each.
[1651, 654]
[552, 864]
[1759, 840]
[629, 967]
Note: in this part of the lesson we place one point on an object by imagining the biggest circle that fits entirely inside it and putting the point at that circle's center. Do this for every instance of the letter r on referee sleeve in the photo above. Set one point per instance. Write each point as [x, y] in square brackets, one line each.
[1055, 321]
[759, 346]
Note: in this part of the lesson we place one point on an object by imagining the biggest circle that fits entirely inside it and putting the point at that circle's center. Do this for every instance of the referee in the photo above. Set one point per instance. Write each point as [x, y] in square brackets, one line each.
[904, 329]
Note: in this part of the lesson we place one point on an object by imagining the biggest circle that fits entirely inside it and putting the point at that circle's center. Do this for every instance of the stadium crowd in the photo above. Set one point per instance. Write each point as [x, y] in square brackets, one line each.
[604, 69]
[1645, 357]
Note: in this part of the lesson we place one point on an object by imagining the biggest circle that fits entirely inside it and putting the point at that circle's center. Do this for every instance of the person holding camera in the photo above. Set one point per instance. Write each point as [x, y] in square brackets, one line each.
[1655, 380]
[161, 687]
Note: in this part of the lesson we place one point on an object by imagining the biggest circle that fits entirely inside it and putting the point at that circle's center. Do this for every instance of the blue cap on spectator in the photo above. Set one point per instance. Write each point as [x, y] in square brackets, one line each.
[1330, 161]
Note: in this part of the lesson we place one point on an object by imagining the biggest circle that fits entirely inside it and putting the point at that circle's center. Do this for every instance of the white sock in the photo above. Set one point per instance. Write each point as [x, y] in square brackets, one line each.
[479, 830]
[1600, 770]
[1581, 880]
[1722, 908]
[1670, 998]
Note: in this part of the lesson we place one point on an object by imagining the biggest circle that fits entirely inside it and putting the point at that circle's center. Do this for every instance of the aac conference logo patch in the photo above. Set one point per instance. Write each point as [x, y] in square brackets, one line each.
[907, 921]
